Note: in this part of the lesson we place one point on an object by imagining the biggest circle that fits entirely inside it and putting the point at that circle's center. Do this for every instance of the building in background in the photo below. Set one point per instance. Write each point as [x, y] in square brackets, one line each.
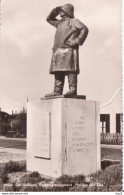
[13, 125]
[111, 114]
[5, 119]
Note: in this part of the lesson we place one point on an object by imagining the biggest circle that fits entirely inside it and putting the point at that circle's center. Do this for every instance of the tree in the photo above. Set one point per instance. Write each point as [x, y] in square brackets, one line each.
[18, 123]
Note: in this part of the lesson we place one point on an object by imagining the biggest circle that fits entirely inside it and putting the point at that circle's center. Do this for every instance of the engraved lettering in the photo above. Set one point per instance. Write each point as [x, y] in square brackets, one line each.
[42, 136]
[78, 136]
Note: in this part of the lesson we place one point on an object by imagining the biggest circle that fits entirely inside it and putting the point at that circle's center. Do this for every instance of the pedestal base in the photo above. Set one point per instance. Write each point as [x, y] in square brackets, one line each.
[65, 96]
[63, 137]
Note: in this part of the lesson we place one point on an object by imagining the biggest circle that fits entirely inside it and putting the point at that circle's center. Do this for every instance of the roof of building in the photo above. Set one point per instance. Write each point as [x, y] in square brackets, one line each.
[113, 97]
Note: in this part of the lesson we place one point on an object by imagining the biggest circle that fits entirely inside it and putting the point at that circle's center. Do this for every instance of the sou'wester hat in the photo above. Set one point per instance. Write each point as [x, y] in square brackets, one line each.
[68, 9]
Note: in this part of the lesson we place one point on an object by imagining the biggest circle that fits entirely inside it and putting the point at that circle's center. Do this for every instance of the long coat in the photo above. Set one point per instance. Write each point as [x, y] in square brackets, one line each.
[65, 57]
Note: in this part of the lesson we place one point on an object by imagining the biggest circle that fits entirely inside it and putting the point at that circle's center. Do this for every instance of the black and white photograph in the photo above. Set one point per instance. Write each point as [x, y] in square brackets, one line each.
[61, 89]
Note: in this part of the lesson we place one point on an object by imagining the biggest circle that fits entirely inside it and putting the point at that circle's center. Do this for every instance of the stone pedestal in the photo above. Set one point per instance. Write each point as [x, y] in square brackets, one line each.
[63, 137]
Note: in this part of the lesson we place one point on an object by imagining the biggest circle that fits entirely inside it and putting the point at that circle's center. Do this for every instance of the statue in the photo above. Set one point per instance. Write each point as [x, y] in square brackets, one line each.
[70, 34]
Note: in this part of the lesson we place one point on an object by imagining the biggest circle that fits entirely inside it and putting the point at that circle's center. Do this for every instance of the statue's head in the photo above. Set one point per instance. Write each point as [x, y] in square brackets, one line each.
[68, 9]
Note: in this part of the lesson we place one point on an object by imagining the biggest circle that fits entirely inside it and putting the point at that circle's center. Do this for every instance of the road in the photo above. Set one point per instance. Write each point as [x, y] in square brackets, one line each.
[17, 143]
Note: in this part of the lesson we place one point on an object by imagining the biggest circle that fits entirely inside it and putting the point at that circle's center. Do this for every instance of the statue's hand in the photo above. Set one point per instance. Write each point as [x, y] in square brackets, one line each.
[72, 42]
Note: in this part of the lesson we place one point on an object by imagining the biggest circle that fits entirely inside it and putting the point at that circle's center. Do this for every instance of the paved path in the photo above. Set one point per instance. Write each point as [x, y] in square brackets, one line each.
[7, 154]
[12, 149]
[111, 146]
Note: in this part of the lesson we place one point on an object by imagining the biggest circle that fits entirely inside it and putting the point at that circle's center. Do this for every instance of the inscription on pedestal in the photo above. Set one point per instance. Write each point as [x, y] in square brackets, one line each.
[79, 140]
[42, 137]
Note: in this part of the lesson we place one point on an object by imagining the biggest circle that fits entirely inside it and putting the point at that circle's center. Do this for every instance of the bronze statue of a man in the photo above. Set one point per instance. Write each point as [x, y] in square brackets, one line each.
[70, 34]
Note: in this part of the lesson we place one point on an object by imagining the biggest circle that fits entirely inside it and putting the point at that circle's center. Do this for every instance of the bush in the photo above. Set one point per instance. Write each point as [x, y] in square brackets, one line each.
[38, 188]
[68, 182]
[116, 188]
[65, 179]
[61, 184]
[12, 166]
[11, 188]
[82, 188]
[32, 178]
[3, 178]
[56, 189]
[96, 188]
[109, 177]
[31, 188]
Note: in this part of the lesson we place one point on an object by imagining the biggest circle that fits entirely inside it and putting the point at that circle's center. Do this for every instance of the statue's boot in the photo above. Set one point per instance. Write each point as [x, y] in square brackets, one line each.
[71, 92]
[58, 87]
[72, 79]
[52, 94]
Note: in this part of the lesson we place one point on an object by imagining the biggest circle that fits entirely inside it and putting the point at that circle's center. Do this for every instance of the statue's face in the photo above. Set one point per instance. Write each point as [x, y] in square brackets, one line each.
[62, 14]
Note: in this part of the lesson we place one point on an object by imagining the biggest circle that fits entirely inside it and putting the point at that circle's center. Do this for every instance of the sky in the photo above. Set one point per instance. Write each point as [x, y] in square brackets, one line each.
[26, 42]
